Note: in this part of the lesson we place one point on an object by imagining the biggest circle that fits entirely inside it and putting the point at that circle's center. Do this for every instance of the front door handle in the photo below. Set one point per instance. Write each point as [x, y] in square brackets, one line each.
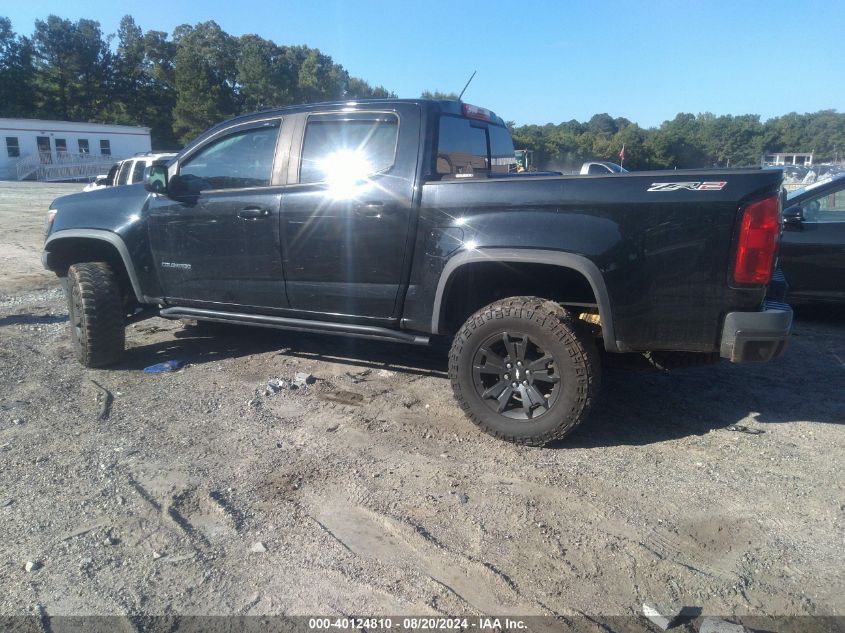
[370, 209]
[253, 213]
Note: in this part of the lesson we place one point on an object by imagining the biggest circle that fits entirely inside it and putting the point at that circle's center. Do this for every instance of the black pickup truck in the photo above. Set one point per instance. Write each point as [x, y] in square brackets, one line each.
[398, 220]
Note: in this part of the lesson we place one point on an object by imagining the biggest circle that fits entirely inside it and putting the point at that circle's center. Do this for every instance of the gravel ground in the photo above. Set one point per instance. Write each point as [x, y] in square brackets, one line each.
[368, 492]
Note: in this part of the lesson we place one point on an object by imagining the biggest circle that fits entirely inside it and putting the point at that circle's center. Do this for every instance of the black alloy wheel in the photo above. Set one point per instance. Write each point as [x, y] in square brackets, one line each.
[524, 370]
[515, 376]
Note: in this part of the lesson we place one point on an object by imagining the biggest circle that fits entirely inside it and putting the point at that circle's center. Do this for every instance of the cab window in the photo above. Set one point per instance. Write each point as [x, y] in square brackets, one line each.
[239, 160]
[348, 147]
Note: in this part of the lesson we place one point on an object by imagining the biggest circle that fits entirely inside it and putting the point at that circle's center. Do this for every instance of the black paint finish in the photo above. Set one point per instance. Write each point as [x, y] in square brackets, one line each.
[377, 257]
[813, 249]
[230, 240]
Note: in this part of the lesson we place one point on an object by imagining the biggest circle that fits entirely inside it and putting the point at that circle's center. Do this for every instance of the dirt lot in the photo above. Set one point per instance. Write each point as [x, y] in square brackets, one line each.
[372, 494]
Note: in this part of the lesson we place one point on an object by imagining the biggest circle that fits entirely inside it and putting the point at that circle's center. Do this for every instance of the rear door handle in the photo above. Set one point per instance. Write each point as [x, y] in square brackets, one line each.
[370, 209]
[253, 213]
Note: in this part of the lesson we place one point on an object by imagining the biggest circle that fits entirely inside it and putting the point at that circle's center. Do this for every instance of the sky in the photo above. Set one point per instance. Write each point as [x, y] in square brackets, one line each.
[541, 62]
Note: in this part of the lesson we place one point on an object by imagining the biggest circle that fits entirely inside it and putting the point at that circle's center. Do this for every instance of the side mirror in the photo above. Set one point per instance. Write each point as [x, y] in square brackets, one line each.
[179, 186]
[793, 218]
[155, 178]
[187, 186]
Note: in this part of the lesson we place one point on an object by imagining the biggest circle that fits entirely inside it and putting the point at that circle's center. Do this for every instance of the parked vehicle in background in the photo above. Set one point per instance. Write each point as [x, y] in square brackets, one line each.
[129, 171]
[524, 161]
[812, 252]
[103, 180]
[399, 220]
[797, 177]
[593, 167]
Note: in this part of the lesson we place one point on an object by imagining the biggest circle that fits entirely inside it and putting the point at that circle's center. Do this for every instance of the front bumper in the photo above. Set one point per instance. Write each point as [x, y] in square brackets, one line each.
[756, 336]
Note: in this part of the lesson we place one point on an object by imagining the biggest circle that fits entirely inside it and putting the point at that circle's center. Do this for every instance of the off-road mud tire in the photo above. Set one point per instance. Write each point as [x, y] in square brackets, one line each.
[95, 310]
[561, 335]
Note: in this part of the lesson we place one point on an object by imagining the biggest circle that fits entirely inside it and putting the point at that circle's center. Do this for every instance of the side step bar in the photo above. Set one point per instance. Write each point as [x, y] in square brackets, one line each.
[300, 325]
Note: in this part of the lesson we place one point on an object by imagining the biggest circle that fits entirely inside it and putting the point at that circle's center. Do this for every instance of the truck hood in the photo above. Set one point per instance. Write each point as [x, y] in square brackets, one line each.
[111, 208]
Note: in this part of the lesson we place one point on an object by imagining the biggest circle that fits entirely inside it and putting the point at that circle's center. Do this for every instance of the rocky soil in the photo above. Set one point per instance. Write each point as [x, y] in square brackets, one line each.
[365, 490]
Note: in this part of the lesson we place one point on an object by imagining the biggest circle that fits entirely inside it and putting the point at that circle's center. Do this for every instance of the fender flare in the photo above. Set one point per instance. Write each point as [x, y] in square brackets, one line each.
[578, 263]
[104, 236]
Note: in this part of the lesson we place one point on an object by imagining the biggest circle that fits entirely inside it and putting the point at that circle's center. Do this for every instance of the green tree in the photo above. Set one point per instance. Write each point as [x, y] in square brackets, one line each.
[732, 141]
[602, 124]
[360, 89]
[73, 68]
[16, 73]
[266, 76]
[143, 87]
[320, 79]
[679, 143]
[437, 94]
[637, 156]
[205, 78]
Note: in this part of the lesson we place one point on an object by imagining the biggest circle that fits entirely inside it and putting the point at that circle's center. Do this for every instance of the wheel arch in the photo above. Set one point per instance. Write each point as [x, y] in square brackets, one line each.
[62, 248]
[567, 261]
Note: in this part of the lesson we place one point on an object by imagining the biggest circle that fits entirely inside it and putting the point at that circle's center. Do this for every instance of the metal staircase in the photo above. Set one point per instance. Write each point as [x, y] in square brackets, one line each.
[46, 167]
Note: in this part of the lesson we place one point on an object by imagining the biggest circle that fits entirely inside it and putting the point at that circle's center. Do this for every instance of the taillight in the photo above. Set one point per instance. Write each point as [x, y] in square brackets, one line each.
[757, 244]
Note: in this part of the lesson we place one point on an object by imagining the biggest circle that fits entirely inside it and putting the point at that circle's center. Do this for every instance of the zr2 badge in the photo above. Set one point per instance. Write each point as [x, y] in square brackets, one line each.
[689, 186]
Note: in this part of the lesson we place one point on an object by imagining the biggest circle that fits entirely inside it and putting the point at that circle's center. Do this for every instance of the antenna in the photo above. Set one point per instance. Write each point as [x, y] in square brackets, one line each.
[467, 84]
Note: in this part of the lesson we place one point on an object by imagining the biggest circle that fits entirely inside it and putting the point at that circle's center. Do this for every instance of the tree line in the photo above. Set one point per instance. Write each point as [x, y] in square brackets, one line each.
[176, 85]
[181, 83]
[687, 141]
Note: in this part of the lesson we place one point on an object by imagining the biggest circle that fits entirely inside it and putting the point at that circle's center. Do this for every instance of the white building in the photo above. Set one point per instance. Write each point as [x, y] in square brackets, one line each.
[804, 159]
[61, 150]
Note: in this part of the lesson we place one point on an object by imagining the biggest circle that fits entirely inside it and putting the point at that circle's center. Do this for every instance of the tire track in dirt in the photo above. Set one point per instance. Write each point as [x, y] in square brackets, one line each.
[389, 541]
[702, 544]
[189, 512]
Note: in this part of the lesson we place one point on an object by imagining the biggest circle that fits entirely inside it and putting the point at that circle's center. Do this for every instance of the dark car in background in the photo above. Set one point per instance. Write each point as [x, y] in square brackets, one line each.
[813, 247]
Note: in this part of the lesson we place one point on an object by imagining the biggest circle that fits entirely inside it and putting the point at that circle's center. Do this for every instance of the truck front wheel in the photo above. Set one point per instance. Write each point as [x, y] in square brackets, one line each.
[523, 371]
[95, 310]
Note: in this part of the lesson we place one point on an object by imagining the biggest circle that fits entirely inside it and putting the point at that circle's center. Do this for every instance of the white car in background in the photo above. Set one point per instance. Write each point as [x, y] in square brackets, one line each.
[593, 167]
[128, 171]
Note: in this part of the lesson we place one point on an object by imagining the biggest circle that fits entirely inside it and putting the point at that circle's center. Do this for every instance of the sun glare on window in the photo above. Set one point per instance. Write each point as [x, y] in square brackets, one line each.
[344, 170]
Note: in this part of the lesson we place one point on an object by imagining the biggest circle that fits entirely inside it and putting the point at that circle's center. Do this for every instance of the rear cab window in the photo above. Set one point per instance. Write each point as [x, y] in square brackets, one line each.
[469, 148]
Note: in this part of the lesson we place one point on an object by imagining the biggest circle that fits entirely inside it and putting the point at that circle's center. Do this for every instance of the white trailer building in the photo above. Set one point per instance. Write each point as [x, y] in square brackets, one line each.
[62, 150]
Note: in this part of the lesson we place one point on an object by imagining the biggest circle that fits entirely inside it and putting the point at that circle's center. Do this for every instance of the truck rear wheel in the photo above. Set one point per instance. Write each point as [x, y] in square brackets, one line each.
[523, 371]
[96, 314]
